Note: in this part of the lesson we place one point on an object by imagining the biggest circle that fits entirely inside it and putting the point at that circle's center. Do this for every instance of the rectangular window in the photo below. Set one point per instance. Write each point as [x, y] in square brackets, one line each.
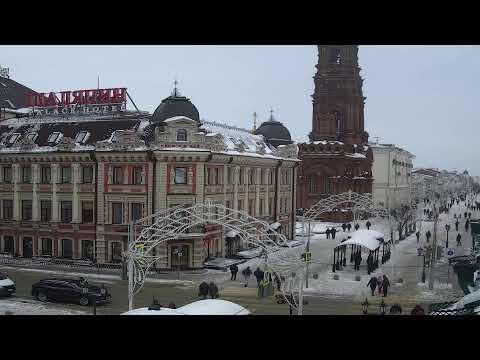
[26, 209]
[66, 174]
[66, 211]
[47, 246]
[117, 175]
[87, 174]
[137, 176]
[180, 175]
[26, 174]
[136, 213]
[7, 174]
[87, 212]
[67, 248]
[7, 209]
[45, 210]
[45, 174]
[13, 138]
[117, 213]
[116, 252]
[9, 244]
[209, 176]
[87, 250]
[54, 137]
[81, 137]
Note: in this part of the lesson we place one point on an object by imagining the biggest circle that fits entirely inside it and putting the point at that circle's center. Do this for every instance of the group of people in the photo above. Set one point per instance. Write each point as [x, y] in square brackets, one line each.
[380, 282]
[259, 276]
[205, 289]
[348, 226]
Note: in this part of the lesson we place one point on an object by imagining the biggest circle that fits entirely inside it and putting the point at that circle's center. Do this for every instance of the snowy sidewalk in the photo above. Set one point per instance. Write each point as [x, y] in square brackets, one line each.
[19, 306]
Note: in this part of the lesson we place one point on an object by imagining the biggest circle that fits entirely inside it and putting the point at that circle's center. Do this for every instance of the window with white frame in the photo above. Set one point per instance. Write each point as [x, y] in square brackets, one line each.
[54, 137]
[31, 136]
[13, 138]
[81, 137]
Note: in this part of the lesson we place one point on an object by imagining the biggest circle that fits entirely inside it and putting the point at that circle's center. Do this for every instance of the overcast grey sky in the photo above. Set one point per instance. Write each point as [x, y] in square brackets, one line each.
[422, 98]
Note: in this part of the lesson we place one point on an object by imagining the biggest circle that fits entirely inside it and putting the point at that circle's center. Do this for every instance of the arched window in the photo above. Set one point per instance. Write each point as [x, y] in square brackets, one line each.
[335, 56]
[338, 121]
[181, 135]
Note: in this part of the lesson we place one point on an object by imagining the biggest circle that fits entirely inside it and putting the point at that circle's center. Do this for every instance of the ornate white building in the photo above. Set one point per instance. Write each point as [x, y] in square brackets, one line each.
[392, 167]
[69, 185]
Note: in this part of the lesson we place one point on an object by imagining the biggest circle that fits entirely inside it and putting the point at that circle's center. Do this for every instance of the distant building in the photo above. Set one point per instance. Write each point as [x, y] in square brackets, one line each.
[71, 182]
[392, 168]
[13, 96]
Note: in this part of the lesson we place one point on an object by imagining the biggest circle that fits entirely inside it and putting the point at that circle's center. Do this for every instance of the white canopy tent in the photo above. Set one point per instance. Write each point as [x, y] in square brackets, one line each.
[371, 239]
[201, 307]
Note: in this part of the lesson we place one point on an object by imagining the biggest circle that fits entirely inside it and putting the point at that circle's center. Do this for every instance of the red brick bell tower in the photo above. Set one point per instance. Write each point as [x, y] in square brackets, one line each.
[337, 158]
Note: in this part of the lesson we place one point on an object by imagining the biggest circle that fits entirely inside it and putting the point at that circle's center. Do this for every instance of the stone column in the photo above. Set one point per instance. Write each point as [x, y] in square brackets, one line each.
[246, 178]
[224, 187]
[16, 195]
[257, 192]
[35, 200]
[200, 182]
[76, 218]
[267, 191]
[100, 235]
[236, 175]
[55, 172]
[277, 189]
[161, 177]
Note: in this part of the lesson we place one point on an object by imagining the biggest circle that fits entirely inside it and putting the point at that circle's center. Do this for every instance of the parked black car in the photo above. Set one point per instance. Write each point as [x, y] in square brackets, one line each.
[70, 290]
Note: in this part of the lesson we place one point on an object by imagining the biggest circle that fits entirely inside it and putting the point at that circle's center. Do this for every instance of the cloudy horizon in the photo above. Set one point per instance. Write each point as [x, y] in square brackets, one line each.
[420, 98]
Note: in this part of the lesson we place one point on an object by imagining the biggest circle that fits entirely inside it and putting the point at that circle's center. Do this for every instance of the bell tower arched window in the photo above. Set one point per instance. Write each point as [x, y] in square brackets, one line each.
[335, 56]
[337, 117]
[181, 135]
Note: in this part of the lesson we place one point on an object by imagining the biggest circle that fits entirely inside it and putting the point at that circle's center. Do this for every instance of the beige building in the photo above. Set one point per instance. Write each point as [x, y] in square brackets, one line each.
[392, 167]
[69, 185]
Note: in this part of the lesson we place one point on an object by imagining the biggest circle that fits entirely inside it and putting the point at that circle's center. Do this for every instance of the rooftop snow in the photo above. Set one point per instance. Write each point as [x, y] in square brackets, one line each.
[367, 238]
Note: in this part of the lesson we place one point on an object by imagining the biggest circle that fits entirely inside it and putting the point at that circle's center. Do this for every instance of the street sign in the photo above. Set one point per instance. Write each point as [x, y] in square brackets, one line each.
[450, 252]
[307, 256]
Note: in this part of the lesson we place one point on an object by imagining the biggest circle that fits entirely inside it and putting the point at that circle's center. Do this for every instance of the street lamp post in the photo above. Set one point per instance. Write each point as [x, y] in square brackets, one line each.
[447, 228]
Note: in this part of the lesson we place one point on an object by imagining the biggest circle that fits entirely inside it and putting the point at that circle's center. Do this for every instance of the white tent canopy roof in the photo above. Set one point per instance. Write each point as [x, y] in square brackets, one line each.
[201, 307]
[371, 239]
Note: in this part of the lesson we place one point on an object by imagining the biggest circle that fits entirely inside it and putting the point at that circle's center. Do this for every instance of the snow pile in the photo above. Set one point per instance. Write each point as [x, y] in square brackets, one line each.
[32, 307]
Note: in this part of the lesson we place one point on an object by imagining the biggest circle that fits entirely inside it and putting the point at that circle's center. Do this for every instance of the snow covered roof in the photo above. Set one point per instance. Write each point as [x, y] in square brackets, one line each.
[371, 239]
[201, 307]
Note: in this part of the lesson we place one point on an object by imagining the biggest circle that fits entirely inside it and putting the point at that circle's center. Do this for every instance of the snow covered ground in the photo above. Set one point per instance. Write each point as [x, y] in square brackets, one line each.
[18, 306]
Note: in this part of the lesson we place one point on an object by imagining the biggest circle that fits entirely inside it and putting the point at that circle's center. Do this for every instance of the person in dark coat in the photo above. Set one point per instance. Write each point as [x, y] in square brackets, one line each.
[349, 226]
[344, 227]
[456, 225]
[258, 275]
[469, 215]
[417, 234]
[369, 264]
[385, 285]
[455, 216]
[234, 271]
[172, 305]
[428, 235]
[465, 214]
[246, 275]
[368, 225]
[357, 226]
[373, 284]
[203, 290]
[459, 239]
[467, 224]
[358, 260]
[213, 290]
[333, 232]
[328, 233]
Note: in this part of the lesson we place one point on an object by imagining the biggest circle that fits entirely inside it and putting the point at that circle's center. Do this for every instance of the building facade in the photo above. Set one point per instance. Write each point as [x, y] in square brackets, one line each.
[69, 185]
[337, 157]
[392, 180]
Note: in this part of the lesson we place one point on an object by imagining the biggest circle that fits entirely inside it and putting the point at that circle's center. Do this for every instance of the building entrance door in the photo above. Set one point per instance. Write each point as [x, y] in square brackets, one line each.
[179, 256]
[27, 247]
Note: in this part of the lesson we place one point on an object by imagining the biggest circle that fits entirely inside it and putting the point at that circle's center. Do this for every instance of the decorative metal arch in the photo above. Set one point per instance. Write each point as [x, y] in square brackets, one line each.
[173, 223]
[352, 201]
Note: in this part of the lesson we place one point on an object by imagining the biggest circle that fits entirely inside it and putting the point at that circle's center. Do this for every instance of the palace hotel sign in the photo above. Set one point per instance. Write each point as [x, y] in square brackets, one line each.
[79, 102]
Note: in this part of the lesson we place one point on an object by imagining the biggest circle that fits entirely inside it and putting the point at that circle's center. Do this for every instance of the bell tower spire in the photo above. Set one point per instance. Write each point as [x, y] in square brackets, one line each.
[338, 101]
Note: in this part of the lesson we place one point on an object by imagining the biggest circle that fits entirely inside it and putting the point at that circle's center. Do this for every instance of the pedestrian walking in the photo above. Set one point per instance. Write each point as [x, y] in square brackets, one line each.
[328, 233]
[349, 226]
[246, 275]
[258, 275]
[417, 234]
[358, 260]
[373, 284]
[465, 214]
[379, 284]
[467, 224]
[385, 285]
[368, 225]
[459, 239]
[344, 227]
[428, 235]
[469, 215]
[213, 290]
[369, 263]
[333, 232]
[455, 216]
[234, 271]
[356, 226]
[456, 225]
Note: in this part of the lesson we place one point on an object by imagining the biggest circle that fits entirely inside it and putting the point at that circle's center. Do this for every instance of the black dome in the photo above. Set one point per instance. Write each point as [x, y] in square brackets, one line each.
[274, 132]
[175, 105]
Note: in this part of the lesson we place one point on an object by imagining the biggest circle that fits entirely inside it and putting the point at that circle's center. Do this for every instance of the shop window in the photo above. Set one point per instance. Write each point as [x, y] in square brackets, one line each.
[87, 250]
[47, 247]
[67, 248]
[9, 244]
[116, 252]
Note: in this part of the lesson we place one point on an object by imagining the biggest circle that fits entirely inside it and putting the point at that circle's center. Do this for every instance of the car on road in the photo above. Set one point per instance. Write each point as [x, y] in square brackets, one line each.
[7, 286]
[70, 290]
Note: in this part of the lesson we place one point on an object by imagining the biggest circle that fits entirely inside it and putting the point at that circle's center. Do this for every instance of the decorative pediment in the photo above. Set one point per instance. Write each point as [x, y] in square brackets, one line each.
[66, 144]
[216, 142]
[122, 140]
